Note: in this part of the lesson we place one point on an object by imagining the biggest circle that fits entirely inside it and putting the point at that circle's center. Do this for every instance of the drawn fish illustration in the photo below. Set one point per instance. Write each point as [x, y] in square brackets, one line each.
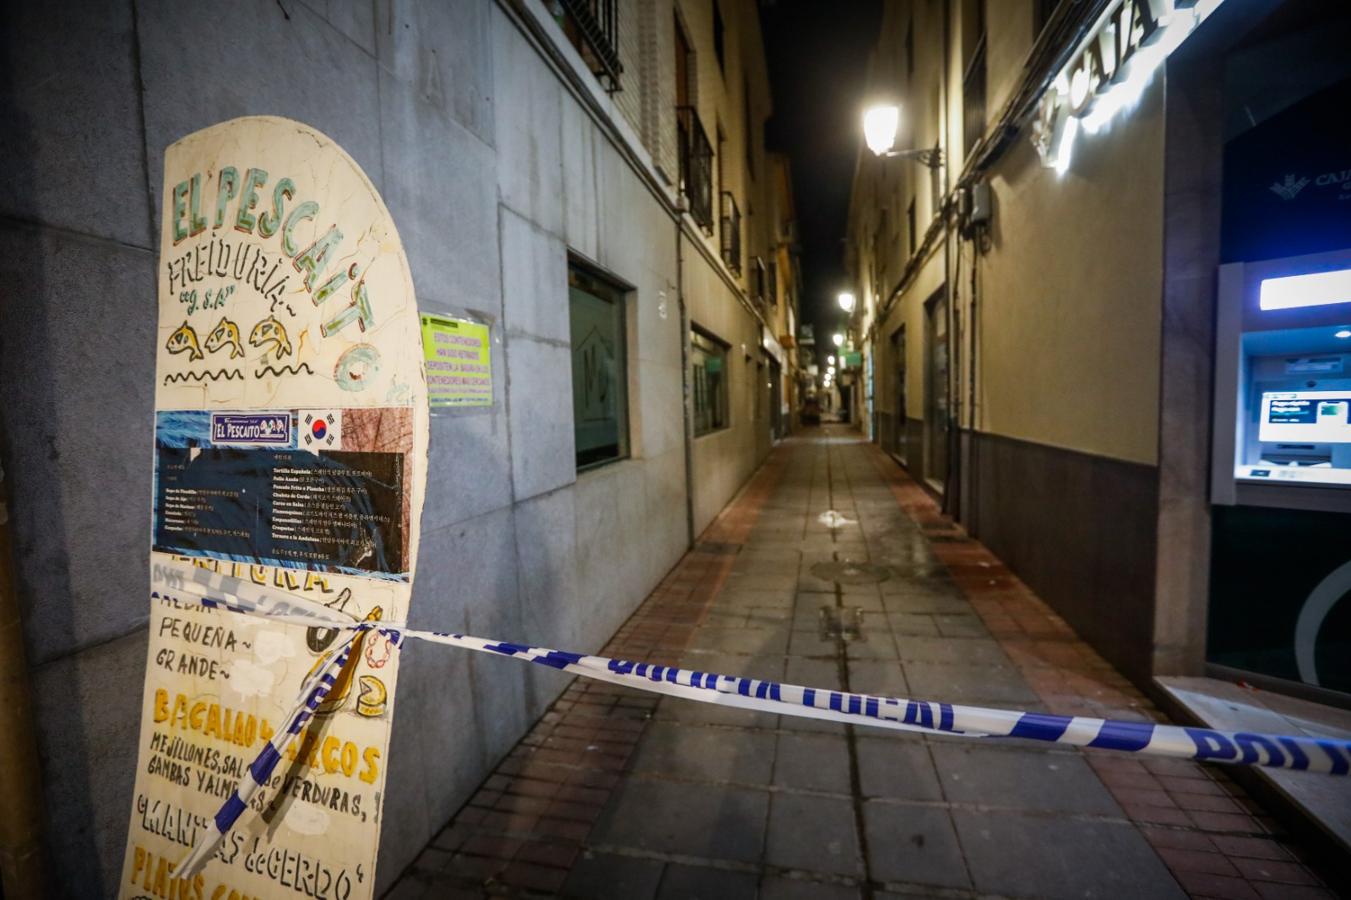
[184, 340]
[225, 334]
[270, 331]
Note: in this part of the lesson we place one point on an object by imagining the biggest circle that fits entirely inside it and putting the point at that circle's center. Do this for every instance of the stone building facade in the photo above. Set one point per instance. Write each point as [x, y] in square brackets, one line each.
[1042, 309]
[515, 167]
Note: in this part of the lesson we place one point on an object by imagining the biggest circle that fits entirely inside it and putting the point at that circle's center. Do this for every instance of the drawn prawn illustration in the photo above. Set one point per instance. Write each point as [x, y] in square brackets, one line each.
[184, 340]
[270, 331]
[225, 334]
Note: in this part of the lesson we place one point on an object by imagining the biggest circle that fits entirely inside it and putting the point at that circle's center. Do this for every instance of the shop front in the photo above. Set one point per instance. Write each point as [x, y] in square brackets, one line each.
[1279, 610]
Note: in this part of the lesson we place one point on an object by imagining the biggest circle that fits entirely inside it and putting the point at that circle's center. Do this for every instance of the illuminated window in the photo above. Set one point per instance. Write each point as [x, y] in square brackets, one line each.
[599, 368]
[708, 382]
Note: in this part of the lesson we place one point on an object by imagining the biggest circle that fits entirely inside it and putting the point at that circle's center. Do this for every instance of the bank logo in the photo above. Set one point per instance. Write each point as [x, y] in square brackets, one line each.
[251, 429]
[1289, 188]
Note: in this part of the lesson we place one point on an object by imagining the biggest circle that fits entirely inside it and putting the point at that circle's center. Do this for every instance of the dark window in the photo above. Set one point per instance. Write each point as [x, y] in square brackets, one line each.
[696, 166]
[750, 127]
[718, 37]
[599, 368]
[910, 226]
[910, 49]
[731, 232]
[973, 83]
[684, 66]
[592, 26]
[708, 364]
[880, 250]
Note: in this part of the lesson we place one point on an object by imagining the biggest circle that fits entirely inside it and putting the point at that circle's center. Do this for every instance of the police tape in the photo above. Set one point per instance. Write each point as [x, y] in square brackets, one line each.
[217, 591]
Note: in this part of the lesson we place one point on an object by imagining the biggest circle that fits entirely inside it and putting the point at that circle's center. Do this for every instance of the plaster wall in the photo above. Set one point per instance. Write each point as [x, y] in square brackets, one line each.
[494, 173]
[1071, 293]
[722, 460]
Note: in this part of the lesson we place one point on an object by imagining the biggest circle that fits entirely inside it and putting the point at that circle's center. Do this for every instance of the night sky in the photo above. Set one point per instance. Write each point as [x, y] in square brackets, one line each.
[818, 57]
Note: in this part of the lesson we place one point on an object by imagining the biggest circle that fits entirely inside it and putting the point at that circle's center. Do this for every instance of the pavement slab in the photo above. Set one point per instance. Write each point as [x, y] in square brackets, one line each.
[682, 799]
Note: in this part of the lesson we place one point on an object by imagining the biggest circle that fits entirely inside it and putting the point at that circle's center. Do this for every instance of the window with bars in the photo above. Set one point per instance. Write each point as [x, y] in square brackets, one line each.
[696, 166]
[592, 27]
[731, 232]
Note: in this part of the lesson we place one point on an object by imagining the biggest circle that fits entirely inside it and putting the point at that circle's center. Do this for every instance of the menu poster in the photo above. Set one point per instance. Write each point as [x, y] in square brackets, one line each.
[290, 446]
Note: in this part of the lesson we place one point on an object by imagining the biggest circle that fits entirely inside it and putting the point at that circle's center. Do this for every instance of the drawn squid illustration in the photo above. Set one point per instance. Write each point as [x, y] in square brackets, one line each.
[225, 334]
[270, 331]
[184, 340]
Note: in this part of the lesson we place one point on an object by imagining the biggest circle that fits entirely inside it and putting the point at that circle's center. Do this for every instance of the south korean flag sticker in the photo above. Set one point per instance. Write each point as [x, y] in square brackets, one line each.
[320, 429]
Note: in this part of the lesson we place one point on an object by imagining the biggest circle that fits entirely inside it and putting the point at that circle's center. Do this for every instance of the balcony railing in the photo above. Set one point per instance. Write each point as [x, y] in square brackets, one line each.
[731, 233]
[696, 166]
[593, 28]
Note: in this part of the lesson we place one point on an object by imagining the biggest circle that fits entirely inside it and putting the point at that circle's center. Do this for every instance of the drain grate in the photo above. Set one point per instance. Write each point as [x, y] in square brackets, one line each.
[847, 571]
[842, 623]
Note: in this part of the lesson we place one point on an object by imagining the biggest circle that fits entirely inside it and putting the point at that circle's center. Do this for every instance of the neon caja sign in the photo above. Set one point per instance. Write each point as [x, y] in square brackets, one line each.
[1110, 70]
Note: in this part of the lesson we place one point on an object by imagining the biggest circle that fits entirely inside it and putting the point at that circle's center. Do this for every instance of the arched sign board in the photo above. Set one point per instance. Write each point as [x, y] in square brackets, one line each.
[290, 452]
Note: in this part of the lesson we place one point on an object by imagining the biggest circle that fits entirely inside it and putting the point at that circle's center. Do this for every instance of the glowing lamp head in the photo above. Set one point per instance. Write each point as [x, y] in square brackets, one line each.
[846, 301]
[1344, 334]
[830, 360]
[838, 339]
[880, 124]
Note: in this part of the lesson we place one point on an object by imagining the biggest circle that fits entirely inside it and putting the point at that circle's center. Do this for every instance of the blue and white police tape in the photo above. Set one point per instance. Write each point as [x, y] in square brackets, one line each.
[312, 693]
[216, 591]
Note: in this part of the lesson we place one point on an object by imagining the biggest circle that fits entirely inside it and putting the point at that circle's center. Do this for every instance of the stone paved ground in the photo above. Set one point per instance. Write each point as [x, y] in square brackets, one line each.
[621, 793]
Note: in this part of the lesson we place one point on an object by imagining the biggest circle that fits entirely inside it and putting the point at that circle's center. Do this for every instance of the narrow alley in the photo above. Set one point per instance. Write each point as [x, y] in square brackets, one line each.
[630, 448]
[833, 569]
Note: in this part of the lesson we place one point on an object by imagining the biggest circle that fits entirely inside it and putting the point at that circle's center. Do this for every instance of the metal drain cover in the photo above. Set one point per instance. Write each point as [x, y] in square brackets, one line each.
[851, 572]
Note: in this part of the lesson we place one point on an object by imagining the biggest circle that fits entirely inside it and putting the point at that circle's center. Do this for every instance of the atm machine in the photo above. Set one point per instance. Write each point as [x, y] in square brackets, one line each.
[1281, 476]
[1283, 383]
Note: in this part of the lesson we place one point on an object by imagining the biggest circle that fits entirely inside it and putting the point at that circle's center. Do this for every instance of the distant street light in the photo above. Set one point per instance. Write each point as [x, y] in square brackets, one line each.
[838, 339]
[830, 360]
[846, 301]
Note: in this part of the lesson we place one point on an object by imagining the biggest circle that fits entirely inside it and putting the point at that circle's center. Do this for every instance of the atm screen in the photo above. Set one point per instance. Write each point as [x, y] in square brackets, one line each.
[1314, 417]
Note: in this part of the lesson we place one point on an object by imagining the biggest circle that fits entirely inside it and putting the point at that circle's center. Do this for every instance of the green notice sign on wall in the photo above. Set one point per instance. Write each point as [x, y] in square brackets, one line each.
[853, 359]
[459, 367]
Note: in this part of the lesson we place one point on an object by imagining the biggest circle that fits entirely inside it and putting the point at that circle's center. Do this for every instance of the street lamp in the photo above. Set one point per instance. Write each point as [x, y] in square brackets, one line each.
[831, 359]
[838, 339]
[846, 301]
[880, 124]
